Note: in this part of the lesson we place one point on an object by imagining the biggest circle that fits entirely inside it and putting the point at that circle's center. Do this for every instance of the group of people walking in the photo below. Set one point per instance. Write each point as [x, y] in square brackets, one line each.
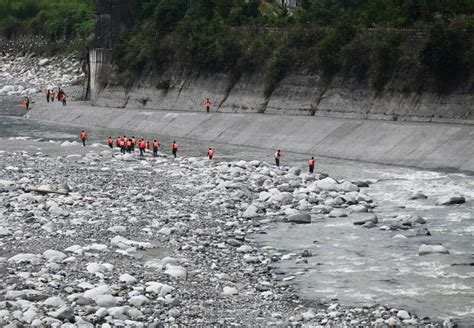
[60, 96]
[127, 145]
[311, 162]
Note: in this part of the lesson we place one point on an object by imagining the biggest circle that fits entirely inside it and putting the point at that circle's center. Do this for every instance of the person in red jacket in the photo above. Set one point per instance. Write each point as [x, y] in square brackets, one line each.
[311, 165]
[129, 145]
[156, 145]
[111, 142]
[147, 147]
[208, 105]
[277, 157]
[122, 146]
[134, 141]
[117, 142]
[174, 148]
[210, 153]
[83, 138]
[141, 147]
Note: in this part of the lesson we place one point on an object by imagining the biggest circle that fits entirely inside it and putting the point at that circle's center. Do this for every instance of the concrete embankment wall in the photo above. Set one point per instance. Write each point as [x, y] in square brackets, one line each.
[424, 145]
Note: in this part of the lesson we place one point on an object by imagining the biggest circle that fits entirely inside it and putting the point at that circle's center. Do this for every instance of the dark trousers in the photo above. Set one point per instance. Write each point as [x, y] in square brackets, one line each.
[311, 168]
[277, 161]
[207, 109]
[84, 142]
[155, 152]
[142, 150]
[47, 98]
[122, 150]
[210, 157]
[111, 145]
[174, 152]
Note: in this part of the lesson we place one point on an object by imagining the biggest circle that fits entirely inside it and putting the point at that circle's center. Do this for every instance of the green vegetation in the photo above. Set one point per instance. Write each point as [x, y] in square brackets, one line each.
[370, 40]
[54, 19]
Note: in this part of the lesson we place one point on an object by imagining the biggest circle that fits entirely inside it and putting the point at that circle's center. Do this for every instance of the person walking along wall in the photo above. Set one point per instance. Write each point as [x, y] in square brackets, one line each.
[311, 165]
[83, 137]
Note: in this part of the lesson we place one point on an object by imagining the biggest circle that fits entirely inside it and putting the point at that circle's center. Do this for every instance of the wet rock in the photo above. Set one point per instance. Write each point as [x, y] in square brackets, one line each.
[451, 200]
[362, 219]
[402, 314]
[432, 249]
[300, 218]
[64, 313]
[337, 213]
[422, 232]
[230, 291]
[418, 195]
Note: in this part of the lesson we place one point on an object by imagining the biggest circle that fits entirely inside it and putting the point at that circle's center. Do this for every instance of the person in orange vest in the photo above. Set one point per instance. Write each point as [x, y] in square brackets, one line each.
[129, 145]
[64, 99]
[277, 157]
[147, 147]
[117, 142]
[83, 138]
[48, 93]
[174, 148]
[122, 146]
[26, 103]
[125, 140]
[141, 147]
[111, 142]
[207, 104]
[156, 144]
[210, 153]
[134, 141]
[311, 165]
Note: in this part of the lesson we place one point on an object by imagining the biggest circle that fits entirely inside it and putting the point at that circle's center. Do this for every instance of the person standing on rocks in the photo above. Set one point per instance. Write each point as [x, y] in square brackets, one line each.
[141, 147]
[311, 165]
[111, 142]
[208, 105]
[117, 142]
[129, 146]
[134, 141]
[122, 146]
[26, 103]
[147, 147]
[210, 153]
[48, 94]
[174, 148]
[277, 157]
[83, 137]
[156, 145]
[64, 99]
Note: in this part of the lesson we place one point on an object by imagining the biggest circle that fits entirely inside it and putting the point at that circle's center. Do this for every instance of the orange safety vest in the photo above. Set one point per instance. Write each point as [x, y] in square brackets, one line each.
[125, 140]
[142, 144]
[83, 135]
[129, 143]
[122, 143]
[25, 103]
[207, 103]
[155, 145]
[118, 141]
[111, 141]
[134, 141]
[210, 153]
[175, 146]
[277, 155]
[311, 162]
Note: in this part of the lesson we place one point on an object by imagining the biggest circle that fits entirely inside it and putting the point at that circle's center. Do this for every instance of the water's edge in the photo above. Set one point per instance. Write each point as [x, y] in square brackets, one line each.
[423, 145]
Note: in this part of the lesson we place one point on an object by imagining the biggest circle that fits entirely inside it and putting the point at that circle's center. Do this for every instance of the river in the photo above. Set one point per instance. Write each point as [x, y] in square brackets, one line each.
[352, 264]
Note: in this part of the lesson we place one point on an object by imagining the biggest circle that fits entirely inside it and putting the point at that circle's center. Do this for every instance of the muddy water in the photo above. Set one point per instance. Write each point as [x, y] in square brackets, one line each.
[349, 263]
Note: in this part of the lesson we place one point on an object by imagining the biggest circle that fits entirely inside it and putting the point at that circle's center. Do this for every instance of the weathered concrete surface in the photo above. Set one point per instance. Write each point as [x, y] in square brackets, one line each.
[299, 93]
[424, 145]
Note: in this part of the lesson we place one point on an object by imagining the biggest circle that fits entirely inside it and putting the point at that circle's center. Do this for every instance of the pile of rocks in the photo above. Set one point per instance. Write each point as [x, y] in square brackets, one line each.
[32, 75]
[139, 243]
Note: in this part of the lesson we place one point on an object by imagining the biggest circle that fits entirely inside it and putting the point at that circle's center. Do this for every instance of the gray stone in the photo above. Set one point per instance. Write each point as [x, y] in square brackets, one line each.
[451, 200]
[432, 249]
[300, 218]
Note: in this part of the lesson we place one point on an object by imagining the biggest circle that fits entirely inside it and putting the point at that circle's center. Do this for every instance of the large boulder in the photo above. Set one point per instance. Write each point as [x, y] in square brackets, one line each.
[361, 219]
[327, 184]
[300, 218]
[451, 200]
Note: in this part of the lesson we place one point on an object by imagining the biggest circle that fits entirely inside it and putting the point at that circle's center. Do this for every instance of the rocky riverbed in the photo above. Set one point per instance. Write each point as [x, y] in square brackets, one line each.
[115, 241]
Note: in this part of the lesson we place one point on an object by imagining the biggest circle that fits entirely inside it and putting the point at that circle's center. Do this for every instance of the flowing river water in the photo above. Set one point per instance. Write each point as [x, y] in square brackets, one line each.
[352, 264]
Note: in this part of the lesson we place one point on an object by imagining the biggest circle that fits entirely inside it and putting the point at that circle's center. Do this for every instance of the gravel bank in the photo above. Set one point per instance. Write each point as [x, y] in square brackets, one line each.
[136, 243]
